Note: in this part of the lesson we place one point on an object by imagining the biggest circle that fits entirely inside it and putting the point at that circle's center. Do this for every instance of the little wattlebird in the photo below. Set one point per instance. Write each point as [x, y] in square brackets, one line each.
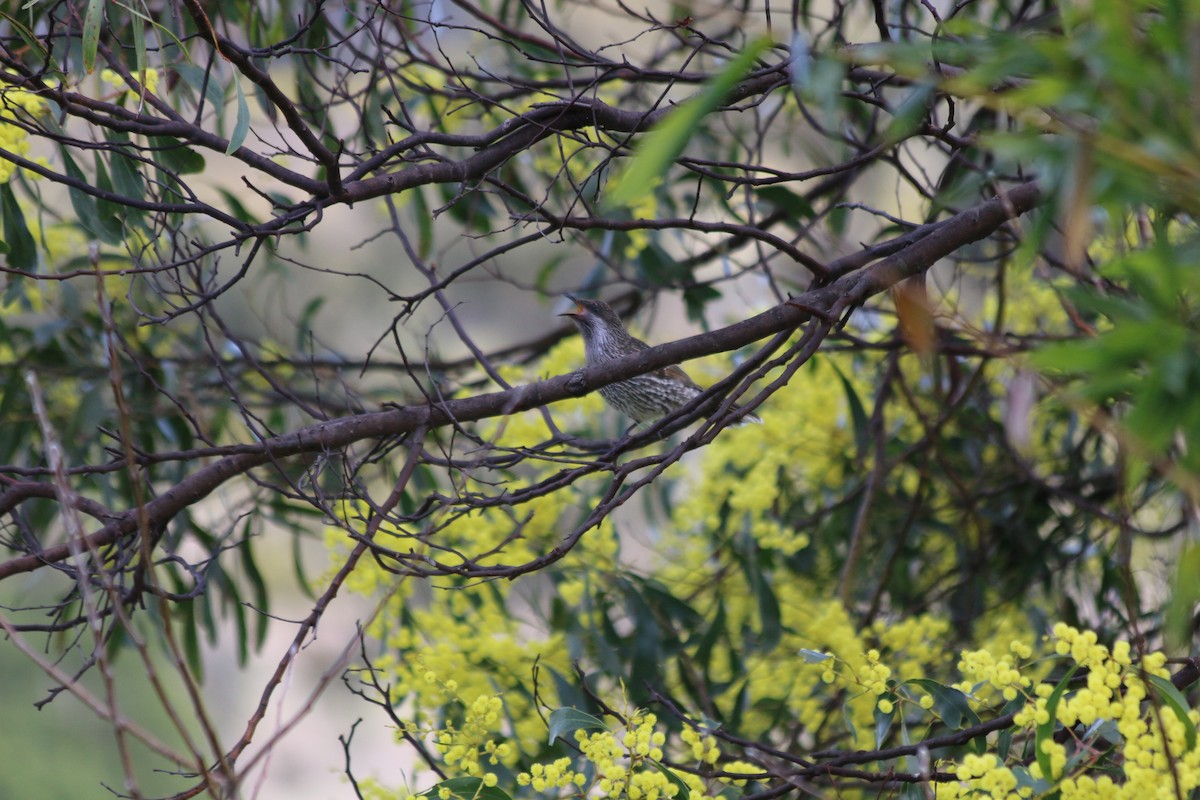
[644, 397]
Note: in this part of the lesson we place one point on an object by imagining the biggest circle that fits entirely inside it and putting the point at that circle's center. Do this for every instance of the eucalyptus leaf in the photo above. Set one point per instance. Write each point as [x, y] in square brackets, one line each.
[564, 721]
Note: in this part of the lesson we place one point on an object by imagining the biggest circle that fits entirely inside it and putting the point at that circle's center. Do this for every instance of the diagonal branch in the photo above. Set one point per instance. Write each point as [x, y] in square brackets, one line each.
[845, 293]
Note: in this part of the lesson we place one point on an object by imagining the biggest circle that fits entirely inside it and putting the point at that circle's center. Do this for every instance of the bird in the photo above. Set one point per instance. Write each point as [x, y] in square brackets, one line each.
[644, 397]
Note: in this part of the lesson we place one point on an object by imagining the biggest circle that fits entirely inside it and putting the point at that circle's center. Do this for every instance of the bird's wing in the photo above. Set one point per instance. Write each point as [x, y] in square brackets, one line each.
[675, 372]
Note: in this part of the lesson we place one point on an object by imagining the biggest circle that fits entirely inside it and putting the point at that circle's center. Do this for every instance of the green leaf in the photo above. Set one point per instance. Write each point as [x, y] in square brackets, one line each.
[712, 635]
[472, 209]
[909, 114]
[139, 55]
[29, 38]
[1178, 704]
[848, 718]
[1045, 731]
[304, 325]
[91, 33]
[111, 215]
[1177, 626]
[785, 199]
[127, 181]
[201, 80]
[174, 156]
[568, 720]
[1038, 786]
[424, 220]
[22, 250]
[258, 586]
[186, 613]
[683, 793]
[696, 298]
[814, 656]
[237, 208]
[162, 29]
[883, 720]
[951, 705]
[241, 124]
[770, 617]
[660, 268]
[666, 141]
[858, 415]
[465, 789]
[85, 205]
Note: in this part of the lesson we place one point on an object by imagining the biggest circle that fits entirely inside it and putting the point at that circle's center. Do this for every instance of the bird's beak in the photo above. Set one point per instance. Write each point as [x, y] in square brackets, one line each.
[576, 311]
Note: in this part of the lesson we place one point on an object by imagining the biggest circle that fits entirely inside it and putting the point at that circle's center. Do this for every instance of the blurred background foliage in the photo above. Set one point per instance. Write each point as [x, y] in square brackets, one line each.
[225, 223]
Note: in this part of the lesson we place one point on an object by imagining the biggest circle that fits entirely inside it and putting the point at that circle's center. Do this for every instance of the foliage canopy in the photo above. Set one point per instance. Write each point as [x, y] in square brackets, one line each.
[947, 252]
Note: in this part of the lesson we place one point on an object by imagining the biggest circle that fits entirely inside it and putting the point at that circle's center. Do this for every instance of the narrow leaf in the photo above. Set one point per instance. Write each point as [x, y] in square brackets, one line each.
[29, 38]
[568, 720]
[424, 220]
[858, 415]
[91, 33]
[241, 125]
[163, 30]
[1177, 625]
[1045, 731]
[22, 250]
[466, 789]
[948, 703]
[83, 203]
[139, 52]
[1178, 704]
[666, 141]
[883, 723]
[683, 793]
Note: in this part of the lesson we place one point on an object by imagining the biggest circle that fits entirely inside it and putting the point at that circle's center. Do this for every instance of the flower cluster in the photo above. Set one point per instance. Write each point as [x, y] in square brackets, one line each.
[702, 748]
[1125, 751]
[982, 667]
[17, 105]
[618, 764]
[149, 80]
[985, 776]
[463, 747]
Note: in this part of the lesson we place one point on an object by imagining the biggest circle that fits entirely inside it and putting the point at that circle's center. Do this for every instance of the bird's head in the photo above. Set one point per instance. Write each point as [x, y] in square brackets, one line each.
[595, 319]
[588, 314]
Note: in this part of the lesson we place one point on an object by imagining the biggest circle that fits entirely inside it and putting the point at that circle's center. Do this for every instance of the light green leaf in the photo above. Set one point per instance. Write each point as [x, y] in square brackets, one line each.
[1045, 731]
[666, 141]
[201, 80]
[910, 113]
[569, 720]
[28, 37]
[241, 125]
[424, 219]
[1178, 704]
[683, 793]
[91, 33]
[465, 789]
[1177, 626]
[139, 51]
[163, 30]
